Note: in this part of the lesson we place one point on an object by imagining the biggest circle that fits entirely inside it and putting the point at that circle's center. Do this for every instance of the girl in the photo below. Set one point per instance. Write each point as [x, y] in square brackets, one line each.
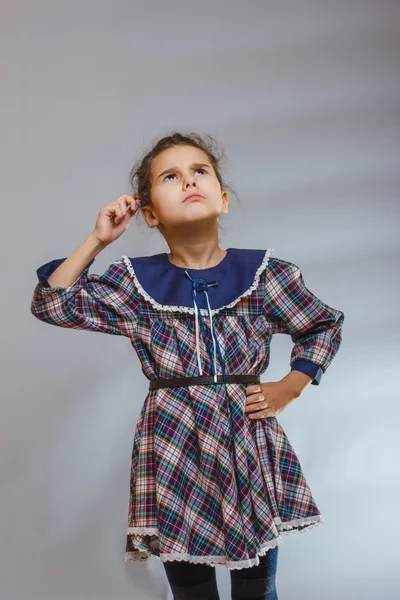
[214, 479]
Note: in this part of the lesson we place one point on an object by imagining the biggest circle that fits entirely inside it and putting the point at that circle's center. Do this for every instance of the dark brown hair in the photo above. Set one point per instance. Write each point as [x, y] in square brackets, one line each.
[140, 175]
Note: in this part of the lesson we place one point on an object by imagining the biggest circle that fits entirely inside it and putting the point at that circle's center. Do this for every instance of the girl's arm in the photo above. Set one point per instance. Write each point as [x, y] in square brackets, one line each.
[70, 268]
[314, 327]
[106, 303]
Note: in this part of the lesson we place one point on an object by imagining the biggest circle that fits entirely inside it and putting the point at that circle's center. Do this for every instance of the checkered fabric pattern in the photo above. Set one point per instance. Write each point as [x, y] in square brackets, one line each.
[207, 483]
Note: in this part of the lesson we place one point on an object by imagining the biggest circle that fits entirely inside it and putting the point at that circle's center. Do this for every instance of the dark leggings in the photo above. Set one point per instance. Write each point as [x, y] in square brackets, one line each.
[197, 581]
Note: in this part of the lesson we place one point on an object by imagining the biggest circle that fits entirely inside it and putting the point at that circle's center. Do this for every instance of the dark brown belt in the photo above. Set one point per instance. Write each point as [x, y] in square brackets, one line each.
[201, 380]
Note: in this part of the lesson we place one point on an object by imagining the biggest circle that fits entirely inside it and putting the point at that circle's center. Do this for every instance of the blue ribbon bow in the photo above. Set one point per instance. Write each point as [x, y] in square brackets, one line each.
[201, 285]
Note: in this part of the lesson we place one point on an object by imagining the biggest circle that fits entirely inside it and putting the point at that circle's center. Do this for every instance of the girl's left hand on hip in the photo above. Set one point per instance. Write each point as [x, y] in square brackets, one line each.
[265, 400]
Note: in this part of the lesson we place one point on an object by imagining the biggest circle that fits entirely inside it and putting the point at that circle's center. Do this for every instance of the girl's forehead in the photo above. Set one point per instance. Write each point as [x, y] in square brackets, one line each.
[178, 156]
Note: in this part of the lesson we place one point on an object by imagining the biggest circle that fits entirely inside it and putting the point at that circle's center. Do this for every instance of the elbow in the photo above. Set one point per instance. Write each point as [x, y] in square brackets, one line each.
[37, 310]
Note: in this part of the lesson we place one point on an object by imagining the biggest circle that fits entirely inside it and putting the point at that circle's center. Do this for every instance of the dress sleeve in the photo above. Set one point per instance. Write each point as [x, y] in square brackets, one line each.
[106, 303]
[315, 328]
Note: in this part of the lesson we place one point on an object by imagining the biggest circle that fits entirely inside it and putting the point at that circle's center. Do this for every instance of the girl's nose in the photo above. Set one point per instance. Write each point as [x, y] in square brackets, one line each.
[189, 184]
[189, 180]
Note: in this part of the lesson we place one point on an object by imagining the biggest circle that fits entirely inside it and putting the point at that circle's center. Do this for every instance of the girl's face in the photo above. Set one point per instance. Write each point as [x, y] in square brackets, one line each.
[176, 173]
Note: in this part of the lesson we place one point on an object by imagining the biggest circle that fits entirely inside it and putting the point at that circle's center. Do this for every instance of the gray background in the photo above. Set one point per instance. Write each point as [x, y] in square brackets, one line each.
[304, 97]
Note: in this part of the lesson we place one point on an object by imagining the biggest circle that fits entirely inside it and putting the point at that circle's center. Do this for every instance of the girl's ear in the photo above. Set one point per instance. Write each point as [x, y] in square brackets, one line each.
[150, 218]
[225, 201]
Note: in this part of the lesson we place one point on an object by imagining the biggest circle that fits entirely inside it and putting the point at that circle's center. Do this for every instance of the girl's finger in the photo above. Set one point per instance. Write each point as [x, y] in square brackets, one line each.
[255, 406]
[133, 201]
[262, 412]
[253, 389]
[262, 415]
[254, 398]
[124, 204]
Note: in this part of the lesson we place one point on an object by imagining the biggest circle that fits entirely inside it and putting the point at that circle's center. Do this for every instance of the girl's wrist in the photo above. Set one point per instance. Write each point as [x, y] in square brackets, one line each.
[296, 381]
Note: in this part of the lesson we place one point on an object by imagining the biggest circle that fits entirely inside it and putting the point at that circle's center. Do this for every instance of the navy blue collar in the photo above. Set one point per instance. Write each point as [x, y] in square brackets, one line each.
[169, 286]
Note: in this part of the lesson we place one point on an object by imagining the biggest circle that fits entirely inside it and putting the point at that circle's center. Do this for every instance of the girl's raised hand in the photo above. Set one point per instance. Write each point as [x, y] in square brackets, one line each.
[114, 218]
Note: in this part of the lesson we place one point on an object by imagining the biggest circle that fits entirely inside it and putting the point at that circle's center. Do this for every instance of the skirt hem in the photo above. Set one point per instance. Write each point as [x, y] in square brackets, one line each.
[300, 525]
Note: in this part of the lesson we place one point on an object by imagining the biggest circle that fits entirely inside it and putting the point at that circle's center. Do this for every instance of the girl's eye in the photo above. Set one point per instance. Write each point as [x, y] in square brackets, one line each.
[173, 174]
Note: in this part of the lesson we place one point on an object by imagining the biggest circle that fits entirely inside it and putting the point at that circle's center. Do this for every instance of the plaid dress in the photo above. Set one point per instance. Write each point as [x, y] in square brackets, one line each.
[207, 483]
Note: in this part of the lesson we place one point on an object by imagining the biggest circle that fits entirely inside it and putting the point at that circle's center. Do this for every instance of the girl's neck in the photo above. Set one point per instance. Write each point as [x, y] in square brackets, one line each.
[199, 257]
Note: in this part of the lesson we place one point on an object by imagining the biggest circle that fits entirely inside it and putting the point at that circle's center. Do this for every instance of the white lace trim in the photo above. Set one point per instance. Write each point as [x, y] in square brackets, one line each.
[283, 529]
[187, 309]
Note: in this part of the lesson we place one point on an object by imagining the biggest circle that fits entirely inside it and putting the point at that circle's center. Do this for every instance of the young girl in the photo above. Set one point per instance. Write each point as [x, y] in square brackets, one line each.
[214, 479]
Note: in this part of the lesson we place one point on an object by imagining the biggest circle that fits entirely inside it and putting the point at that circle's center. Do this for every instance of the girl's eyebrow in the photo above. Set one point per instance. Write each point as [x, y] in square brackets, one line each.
[192, 166]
